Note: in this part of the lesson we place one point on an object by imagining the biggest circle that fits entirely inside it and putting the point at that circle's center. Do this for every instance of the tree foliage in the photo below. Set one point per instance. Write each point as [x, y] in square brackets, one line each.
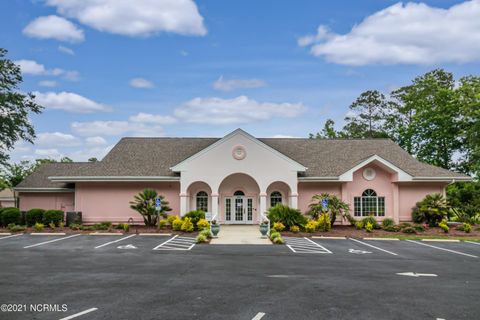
[15, 108]
[144, 203]
[335, 207]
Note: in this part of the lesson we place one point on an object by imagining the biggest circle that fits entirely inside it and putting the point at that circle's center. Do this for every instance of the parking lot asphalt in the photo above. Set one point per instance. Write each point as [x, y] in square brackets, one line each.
[126, 279]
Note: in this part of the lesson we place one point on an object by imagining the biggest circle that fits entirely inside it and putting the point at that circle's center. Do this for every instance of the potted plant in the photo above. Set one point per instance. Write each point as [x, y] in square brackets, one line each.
[264, 228]
[214, 227]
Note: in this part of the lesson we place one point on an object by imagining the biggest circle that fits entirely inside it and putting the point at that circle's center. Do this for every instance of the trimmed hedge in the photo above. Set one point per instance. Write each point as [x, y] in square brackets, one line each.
[55, 216]
[34, 216]
[10, 215]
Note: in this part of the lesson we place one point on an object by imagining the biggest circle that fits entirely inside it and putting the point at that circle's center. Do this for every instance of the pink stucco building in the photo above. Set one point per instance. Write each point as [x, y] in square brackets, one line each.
[238, 177]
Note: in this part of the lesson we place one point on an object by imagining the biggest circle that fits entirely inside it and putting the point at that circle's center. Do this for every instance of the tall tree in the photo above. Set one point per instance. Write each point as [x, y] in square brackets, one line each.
[328, 131]
[368, 119]
[15, 107]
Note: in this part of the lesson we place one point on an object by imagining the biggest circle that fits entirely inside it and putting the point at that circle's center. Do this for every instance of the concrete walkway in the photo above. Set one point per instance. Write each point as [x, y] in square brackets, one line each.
[243, 234]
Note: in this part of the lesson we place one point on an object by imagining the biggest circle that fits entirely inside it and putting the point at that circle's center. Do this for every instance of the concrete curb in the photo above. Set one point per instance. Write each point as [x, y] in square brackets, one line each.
[5, 234]
[382, 239]
[105, 234]
[331, 238]
[155, 234]
[48, 233]
[440, 240]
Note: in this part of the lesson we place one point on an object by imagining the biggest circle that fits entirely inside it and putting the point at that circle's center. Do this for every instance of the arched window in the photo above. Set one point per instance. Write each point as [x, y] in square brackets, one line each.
[239, 193]
[202, 201]
[275, 197]
[369, 204]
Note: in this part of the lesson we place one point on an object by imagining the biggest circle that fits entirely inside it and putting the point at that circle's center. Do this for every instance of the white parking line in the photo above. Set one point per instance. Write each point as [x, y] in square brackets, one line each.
[114, 241]
[473, 242]
[58, 239]
[13, 235]
[177, 243]
[79, 314]
[163, 243]
[258, 316]
[443, 249]
[369, 245]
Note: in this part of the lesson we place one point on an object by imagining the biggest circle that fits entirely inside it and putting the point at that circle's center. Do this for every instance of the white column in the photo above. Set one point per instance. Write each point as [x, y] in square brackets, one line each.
[215, 206]
[263, 206]
[293, 201]
[183, 204]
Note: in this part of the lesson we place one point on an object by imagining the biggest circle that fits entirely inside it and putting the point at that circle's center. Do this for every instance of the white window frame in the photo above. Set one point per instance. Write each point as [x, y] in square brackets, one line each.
[369, 197]
[204, 197]
[270, 198]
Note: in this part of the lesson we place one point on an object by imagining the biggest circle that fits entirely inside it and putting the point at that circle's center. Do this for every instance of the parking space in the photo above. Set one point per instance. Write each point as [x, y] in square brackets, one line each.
[304, 245]
[178, 243]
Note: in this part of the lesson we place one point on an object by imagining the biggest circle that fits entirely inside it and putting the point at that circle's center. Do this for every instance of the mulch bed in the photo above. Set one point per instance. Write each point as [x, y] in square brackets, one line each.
[352, 232]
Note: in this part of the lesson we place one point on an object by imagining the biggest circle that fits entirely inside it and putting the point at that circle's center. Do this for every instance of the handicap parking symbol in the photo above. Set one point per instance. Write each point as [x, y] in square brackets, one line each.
[128, 246]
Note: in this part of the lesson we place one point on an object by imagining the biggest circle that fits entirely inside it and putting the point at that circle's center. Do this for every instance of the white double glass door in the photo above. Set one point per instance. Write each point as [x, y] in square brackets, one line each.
[238, 209]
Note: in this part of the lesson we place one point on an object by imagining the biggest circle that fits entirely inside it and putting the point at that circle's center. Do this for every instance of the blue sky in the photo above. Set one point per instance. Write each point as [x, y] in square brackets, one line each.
[206, 67]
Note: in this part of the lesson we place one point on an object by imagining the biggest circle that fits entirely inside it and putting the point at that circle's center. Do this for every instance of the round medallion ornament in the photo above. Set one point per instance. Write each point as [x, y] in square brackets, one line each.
[369, 174]
[239, 152]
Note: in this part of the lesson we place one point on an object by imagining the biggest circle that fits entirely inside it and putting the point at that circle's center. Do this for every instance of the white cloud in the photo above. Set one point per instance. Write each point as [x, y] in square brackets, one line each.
[66, 50]
[54, 27]
[232, 84]
[34, 68]
[70, 102]
[152, 118]
[141, 83]
[234, 111]
[283, 136]
[49, 153]
[412, 33]
[57, 139]
[95, 141]
[48, 83]
[135, 18]
[115, 128]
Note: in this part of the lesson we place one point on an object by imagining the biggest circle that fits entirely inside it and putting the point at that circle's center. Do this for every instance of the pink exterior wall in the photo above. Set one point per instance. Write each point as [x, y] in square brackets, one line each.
[306, 190]
[7, 203]
[109, 201]
[411, 193]
[61, 201]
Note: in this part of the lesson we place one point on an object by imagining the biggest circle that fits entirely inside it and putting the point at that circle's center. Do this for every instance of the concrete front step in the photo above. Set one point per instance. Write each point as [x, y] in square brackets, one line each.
[240, 234]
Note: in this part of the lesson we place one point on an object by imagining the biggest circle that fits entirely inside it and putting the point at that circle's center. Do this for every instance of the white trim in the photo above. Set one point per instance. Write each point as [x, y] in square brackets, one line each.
[112, 178]
[44, 189]
[181, 166]
[402, 175]
[442, 179]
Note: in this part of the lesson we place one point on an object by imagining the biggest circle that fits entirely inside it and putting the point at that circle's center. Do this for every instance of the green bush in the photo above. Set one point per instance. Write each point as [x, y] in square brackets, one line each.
[16, 228]
[75, 226]
[52, 225]
[123, 226]
[404, 225]
[443, 224]
[10, 215]
[369, 227]
[387, 222]
[278, 226]
[359, 225]
[200, 238]
[203, 224]
[408, 230]
[390, 229]
[323, 222]
[206, 233]
[177, 224]
[274, 234]
[278, 240]
[171, 219]
[458, 215]
[372, 221]
[432, 209]
[286, 215]
[162, 223]
[467, 227]
[102, 226]
[466, 197]
[34, 215]
[419, 228]
[55, 216]
[187, 225]
[88, 228]
[295, 229]
[194, 217]
[38, 226]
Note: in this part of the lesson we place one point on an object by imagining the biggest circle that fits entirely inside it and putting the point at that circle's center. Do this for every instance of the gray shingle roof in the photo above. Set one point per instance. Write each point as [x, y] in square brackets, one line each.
[155, 156]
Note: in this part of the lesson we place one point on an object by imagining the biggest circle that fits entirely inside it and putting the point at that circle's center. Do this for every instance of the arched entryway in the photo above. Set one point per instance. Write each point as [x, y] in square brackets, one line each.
[199, 195]
[238, 196]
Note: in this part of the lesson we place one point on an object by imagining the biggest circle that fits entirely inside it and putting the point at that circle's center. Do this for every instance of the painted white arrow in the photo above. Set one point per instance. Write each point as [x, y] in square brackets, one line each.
[414, 274]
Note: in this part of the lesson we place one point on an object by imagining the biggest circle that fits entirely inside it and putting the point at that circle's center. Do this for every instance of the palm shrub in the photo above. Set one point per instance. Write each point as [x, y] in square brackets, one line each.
[432, 209]
[458, 215]
[34, 215]
[144, 203]
[335, 207]
[286, 215]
